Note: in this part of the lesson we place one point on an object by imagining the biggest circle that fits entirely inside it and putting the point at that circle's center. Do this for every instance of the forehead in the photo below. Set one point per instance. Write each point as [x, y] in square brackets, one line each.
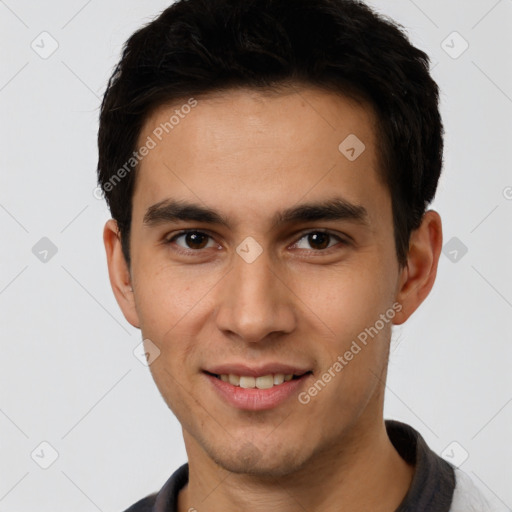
[297, 113]
[271, 147]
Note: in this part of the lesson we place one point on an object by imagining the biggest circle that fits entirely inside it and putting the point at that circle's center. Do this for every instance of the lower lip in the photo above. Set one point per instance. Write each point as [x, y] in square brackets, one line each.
[254, 399]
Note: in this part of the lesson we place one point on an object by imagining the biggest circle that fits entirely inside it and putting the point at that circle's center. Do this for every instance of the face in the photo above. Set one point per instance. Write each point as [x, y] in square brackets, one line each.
[282, 259]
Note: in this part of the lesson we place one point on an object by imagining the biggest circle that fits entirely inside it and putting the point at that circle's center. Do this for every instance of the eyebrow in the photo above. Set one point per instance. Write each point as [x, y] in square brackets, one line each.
[170, 210]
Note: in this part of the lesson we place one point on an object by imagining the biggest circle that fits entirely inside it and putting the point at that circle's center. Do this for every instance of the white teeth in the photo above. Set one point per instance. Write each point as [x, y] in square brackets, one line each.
[263, 382]
[278, 378]
[234, 379]
[247, 382]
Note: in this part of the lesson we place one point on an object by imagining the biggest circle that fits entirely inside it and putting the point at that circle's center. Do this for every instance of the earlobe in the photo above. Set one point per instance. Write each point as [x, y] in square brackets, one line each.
[418, 276]
[119, 273]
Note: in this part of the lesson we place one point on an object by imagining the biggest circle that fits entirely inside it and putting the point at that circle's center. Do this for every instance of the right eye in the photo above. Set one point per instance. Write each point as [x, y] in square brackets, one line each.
[192, 240]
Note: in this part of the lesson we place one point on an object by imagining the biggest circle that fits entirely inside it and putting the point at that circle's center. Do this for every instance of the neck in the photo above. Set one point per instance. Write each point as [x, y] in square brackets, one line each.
[364, 472]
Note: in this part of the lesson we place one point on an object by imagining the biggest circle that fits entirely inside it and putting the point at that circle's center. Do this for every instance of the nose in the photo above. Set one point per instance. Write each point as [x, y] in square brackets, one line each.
[255, 303]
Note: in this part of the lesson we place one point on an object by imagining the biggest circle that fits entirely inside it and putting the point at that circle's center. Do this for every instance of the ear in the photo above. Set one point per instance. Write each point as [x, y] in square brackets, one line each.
[119, 273]
[418, 276]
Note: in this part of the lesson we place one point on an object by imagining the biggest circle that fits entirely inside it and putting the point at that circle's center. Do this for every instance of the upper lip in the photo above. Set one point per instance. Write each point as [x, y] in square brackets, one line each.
[256, 371]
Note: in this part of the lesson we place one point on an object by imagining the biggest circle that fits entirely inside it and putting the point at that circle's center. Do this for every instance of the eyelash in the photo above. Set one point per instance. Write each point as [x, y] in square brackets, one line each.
[182, 250]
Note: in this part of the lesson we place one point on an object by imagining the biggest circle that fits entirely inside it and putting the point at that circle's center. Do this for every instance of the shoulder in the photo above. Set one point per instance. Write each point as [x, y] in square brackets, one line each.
[167, 497]
[144, 505]
[467, 497]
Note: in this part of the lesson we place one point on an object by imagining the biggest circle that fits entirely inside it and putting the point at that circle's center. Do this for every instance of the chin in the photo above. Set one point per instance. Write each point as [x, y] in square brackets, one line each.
[249, 460]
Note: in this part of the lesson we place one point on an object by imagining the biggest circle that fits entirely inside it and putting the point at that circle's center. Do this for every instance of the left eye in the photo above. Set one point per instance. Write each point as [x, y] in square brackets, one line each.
[319, 240]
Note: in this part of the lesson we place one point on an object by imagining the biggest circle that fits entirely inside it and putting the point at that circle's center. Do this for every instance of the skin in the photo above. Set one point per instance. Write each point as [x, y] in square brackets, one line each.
[249, 155]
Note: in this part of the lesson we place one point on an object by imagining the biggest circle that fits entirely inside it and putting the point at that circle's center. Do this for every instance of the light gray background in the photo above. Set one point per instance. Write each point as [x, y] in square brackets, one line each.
[68, 375]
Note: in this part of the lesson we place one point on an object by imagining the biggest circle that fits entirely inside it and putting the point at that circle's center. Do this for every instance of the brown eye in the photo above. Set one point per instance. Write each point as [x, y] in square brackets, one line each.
[196, 240]
[192, 240]
[318, 240]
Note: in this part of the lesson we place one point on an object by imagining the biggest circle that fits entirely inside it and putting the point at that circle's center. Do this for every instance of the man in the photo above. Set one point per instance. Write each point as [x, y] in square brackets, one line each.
[268, 165]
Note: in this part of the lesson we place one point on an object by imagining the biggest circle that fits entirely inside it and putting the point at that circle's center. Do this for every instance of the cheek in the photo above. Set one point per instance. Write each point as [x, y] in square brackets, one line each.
[166, 294]
[345, 300]
[174, 304]
[347, 306]
[353, 353]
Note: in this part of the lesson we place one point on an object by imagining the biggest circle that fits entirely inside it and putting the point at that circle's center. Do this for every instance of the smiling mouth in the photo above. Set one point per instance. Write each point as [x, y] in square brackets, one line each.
[262, 382]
